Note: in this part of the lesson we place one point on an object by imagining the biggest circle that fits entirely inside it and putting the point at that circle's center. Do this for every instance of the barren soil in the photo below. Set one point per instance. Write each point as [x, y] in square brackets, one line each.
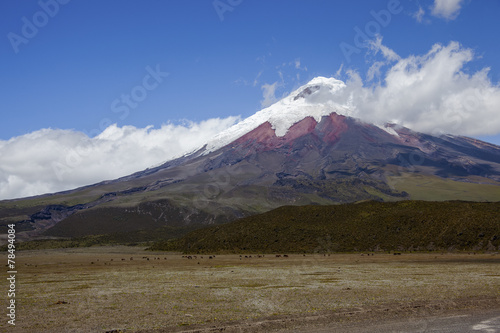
[102, 289]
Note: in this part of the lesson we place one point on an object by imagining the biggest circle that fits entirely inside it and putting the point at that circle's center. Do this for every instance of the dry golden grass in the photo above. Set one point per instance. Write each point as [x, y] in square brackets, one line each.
[103, 292]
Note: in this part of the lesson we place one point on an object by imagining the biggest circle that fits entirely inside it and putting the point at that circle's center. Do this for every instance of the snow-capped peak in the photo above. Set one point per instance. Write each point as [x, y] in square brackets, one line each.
[321, 80]
[314, 99]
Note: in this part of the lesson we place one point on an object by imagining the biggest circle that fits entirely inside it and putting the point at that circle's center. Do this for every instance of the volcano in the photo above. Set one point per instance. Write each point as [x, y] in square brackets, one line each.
[304, 149]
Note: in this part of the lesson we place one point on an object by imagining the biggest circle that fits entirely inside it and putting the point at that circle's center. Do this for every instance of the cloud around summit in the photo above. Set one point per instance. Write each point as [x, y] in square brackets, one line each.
[434, 92]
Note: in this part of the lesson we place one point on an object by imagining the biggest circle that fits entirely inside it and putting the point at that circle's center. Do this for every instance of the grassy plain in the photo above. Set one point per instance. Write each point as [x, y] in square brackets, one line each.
[100, 289]
[434, 188]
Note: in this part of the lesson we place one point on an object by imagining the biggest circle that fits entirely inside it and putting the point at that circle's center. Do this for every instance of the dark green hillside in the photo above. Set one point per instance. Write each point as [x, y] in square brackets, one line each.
[366, 226]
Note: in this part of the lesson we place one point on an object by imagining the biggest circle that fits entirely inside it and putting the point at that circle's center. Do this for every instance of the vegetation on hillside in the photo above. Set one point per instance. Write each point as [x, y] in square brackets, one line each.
[131, 238]
[365, 226]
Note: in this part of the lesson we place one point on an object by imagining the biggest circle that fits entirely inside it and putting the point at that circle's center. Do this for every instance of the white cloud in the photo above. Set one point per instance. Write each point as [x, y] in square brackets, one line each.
[419, 14]
[256, 80]
[374, 70]
[297, 63]
[268, 93]
[431, 93]
[447, 9]
[389, 56]
[338, 73]
[51, 160]
[377, 46]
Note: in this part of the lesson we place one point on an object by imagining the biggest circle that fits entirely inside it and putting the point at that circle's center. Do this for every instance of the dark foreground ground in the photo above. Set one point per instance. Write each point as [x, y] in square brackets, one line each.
[102, 289]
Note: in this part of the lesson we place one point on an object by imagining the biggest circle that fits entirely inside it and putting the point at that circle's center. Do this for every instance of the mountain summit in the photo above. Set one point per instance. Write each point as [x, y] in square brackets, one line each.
[314, 99]
[304, 149]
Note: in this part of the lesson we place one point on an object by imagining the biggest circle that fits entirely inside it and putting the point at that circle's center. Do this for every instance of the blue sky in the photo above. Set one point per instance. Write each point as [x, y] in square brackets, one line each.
[213, 60]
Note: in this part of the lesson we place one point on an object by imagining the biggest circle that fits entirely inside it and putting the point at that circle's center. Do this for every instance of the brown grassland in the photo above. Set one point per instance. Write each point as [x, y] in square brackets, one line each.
[100, 289]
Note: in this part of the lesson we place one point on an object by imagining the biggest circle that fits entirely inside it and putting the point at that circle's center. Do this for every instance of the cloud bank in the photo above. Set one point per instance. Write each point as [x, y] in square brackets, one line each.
[434, 93]
[51, 160]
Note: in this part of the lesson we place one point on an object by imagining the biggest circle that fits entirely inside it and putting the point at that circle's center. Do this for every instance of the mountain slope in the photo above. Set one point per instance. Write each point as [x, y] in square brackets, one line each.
[301, 150]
